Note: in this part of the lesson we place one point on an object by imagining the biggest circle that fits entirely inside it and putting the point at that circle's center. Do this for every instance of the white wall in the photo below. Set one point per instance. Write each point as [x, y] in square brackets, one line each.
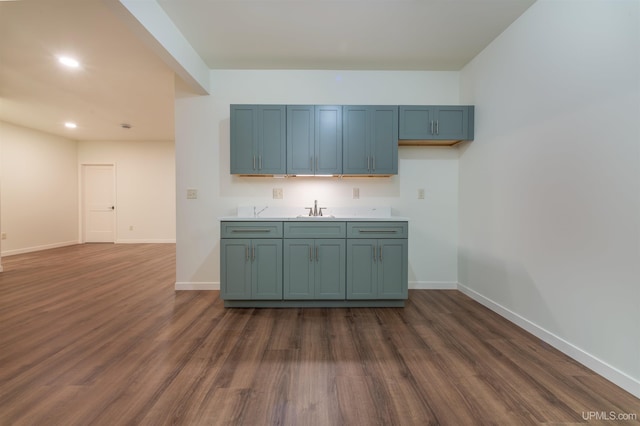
[550, 188]
[202, 157]
[39, 192]
[145, 187]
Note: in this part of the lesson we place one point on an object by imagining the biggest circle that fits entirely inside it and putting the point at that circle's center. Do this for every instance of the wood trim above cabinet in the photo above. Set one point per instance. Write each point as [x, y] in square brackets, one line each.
[427, 142]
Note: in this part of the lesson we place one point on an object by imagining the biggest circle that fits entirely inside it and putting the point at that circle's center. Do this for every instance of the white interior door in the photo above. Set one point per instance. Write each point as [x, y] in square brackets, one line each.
[99, 203]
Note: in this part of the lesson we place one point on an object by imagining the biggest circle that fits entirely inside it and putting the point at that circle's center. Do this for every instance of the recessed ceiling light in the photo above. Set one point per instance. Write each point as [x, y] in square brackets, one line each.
[70, 125]
[68, 61]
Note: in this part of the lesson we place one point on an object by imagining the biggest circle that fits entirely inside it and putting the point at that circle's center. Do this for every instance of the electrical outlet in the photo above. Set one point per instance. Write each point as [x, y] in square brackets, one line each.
[356, 193]
[4, 235]
[277, 193]
[130, 227]
[421, 194]
[192, 194]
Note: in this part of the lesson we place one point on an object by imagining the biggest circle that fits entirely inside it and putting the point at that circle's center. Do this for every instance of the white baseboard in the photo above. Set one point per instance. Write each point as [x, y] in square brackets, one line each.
[197, 286]
[433, 285]
[38, 248]
[146, 241]
[609, 372]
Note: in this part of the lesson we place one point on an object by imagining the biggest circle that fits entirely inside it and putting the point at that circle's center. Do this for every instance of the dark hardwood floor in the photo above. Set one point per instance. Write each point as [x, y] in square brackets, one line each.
[96, 335]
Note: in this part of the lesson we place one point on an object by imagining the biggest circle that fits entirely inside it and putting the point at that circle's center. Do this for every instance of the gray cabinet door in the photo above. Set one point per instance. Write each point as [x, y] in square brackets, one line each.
[258, 139]
[314, 269]
[243, 139]
[392, 269]
[300, 139]
[272, 132]
[299, 268]
[235, 269]
[266, 260]
[416, 122]
[436, 122]
[330, 269]
[452, 123]
[362, 269]
[370, 141]
[251, 269]
[384, 140]
[314, 140]
[356, 158]
[328, 140]
[377, 269]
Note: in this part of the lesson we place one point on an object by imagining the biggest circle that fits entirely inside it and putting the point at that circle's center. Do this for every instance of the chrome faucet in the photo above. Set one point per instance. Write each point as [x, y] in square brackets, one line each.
[256, 214]
[315, 211]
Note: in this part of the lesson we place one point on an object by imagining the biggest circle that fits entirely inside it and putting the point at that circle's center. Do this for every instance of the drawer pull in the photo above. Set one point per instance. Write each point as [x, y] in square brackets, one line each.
[379, 231]
[251, 230]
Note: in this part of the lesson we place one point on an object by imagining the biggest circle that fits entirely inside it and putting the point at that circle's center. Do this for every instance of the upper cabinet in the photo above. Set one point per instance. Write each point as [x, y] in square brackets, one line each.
[314, 140]
[435, 125]
[258, 139]
[370, 140]
[338, 140]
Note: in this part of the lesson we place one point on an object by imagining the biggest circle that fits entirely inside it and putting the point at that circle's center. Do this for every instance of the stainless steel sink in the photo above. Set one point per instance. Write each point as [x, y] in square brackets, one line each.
[307, 217]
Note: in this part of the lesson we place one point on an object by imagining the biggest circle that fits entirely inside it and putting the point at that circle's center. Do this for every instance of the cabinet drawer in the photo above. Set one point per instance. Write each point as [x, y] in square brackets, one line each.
[258, 229]
[313, 229]
[377, 230]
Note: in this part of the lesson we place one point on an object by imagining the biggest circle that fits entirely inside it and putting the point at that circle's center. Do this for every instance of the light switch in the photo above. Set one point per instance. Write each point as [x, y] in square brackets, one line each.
[192, 194]
[356, 193]
[277, 193]
[421, 194]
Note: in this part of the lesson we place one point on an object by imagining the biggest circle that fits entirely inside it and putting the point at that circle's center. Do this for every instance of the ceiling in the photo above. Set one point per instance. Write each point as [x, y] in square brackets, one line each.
[341, 34]
[121, 80]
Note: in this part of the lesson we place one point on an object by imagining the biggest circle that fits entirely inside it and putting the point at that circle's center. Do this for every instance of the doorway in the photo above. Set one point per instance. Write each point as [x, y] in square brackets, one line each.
[98, 203]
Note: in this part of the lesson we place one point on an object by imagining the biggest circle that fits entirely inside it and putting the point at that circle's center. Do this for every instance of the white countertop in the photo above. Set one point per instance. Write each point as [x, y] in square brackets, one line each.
[316, 218]
[297, 214]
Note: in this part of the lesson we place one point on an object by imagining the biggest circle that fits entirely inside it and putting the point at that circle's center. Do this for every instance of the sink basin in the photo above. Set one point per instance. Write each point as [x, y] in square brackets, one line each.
[307, 217]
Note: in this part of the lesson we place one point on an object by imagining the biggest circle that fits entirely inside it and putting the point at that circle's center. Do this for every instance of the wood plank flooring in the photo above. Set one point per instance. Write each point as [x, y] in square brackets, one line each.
[96, 335]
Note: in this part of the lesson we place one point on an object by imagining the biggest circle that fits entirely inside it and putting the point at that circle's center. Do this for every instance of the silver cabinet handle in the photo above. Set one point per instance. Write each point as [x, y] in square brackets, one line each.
[310, 254]
[254, 162]
[246, 253]
[380, 253]
[378, 231]
[259, 162]
[250, 230]
[373, 158]
[368, 163]
[437, 127]
[253, 253]
[431, 127]
[316, 165]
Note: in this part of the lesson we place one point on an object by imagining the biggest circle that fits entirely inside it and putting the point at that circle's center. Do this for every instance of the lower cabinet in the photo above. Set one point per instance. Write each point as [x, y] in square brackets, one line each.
[314, 269]
[251, 269]
[377, 269]
[313, 263]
